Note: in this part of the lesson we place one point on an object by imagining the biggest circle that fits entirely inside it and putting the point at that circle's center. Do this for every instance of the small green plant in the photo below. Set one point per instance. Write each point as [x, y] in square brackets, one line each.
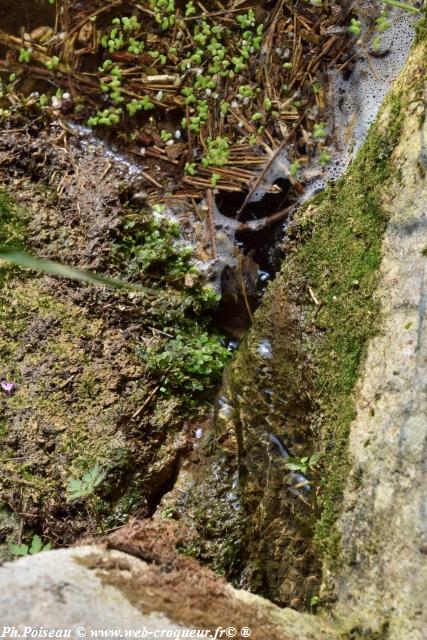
[303, 464]
[294, 168]
[376, 43]
[151, 244]
[267, 104]
[165, 136]
[246, 91]
[355, 27]
[314, 601]
[324, 157]
[382, 22]
[215, 178]
[86, 485]
[218, 152]
[52, 63]
[142, 104]
[190, 9]
[107, 118]
[128, 23]
[35, 547]
[136, 46]
[224, 107]
[246, 20]
[164, 13]
[190, 168]
[193, 363]
[114, 41]
[24, 56]
[319, 130]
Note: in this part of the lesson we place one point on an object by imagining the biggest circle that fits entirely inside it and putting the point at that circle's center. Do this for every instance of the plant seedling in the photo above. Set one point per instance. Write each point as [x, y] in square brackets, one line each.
[86, 485]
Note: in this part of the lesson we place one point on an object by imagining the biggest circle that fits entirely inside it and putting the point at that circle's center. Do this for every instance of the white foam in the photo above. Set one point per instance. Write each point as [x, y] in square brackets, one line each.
[356, 101]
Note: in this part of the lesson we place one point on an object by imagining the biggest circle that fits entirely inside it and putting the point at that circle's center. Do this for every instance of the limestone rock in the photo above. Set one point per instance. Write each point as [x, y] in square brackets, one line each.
[91, 587]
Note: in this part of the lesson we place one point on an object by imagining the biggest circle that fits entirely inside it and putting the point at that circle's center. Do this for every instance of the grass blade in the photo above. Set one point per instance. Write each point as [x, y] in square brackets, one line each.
[56, 269]
[402, 5]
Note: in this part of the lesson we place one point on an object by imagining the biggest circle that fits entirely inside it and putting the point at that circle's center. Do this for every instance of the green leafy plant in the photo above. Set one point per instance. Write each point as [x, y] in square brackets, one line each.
[165, 136]
[190, 168]
[190, 362]
[303, 464]
[355, 27]
[319, 130]
[107, 118]
[35, 547]
[164, 13]
[218, 152]
[215, 178]
[86, 485]
[190, 9]
[136, 105]
[24, 56]
[246, 20]
[382, 22]
[294, 168]
[324, 157]
[136, 46]
[52, 63]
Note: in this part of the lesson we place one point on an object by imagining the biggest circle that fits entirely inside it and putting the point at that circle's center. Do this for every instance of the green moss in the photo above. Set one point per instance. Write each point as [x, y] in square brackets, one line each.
[421, 27]
[339, 259]
[12, 222]
[188, 356]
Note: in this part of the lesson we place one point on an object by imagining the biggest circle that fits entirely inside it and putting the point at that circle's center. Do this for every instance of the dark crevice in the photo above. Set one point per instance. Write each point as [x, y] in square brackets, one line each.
[229, 204]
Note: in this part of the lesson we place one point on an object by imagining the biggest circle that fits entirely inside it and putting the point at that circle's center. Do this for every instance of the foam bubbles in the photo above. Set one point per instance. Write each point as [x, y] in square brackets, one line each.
[357, 100]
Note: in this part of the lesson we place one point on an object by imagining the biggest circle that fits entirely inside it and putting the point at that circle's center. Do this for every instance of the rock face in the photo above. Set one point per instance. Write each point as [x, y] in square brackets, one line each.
[93, 587]
[384, 519]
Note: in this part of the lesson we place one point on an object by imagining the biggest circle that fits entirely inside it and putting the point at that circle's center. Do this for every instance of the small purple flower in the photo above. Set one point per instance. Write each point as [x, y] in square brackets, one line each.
[8, 387]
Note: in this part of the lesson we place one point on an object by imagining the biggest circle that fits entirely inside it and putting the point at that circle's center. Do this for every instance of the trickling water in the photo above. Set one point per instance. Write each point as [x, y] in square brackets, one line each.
[265, 350]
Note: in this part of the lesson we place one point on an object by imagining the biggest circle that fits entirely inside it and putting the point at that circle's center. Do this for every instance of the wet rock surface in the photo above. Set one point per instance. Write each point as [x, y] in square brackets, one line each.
[253, 519]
